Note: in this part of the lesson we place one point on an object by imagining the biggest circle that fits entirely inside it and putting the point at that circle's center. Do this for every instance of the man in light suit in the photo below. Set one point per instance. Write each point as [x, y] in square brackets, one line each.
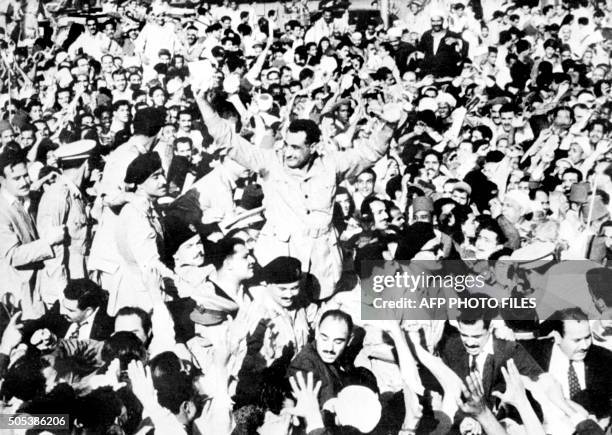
[299, 186]
[21, 250]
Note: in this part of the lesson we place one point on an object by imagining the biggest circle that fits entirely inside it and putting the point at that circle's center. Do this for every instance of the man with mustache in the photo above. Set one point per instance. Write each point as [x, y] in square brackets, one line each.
[444, 51]
[572, 360]
[474, 348]
[278, 324]
[326, 357]
[22, 250]
[299, 186]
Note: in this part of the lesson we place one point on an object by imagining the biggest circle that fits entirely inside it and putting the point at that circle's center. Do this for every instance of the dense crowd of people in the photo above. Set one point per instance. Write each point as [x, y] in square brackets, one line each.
[193, 200]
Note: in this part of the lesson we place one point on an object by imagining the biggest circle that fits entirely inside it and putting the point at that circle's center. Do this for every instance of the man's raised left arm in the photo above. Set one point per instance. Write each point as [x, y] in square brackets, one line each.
[352, 162]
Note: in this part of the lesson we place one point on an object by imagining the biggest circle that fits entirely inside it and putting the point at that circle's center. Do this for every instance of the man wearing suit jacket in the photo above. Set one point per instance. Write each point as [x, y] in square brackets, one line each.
[80, 314]
[327, 360]
[572, 360]
[444, 50]
[22, 252]
[472, 347]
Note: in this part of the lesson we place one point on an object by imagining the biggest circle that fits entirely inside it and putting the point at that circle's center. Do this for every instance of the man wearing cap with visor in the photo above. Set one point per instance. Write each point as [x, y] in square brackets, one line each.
[62, 203]
[140, 238]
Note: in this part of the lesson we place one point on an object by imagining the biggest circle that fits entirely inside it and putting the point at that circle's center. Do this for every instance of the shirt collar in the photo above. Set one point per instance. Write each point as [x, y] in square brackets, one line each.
[561, 358]
[227, 177]
[90, 318]
[488, 347]
[11, 199]
[72, 187]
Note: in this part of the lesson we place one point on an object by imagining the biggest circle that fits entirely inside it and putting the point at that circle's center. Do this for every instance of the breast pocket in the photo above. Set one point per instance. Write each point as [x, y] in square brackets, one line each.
[319, 194]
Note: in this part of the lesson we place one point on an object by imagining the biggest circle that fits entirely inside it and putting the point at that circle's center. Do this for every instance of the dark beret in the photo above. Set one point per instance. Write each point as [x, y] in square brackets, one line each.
[282, 270]
[252, 197]
[426, 116]
[149, 121]
[494, 157]
[142, 167]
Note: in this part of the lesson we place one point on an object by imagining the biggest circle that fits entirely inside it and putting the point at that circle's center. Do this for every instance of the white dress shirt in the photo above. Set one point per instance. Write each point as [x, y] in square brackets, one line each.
[85, 327]
[481, 358]
[559, 369]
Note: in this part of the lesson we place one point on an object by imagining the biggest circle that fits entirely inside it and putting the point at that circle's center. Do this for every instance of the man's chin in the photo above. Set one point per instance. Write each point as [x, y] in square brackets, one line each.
[328, 359]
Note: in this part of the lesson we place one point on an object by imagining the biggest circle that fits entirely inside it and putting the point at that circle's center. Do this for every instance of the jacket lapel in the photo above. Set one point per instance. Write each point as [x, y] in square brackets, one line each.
[487, 375]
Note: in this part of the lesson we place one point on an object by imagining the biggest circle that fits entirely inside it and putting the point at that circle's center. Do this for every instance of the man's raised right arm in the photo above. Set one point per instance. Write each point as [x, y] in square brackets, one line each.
[240, 149]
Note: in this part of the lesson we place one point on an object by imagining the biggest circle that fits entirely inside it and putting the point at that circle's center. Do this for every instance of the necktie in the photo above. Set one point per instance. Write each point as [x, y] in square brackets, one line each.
[574, 385]
[473, 365]
[75, 334]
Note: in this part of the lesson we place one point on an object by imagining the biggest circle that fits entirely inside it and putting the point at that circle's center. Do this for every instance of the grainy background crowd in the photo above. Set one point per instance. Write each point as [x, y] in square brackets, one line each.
[193, 196]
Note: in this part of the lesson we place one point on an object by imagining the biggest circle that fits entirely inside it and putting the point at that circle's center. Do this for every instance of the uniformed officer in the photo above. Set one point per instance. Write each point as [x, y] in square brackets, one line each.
[278, 322]
[62, 203]
[140, 239]
[112, 195]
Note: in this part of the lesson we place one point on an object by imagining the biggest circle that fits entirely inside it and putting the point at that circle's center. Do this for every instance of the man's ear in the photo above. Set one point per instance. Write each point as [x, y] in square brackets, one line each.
[556, 336]
[350, 339]
[188, 409]
[600, 304]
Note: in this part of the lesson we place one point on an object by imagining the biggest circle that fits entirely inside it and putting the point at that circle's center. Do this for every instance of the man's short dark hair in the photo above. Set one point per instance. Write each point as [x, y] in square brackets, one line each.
[338, 315]
[125, 346]
[11, 157]
[508, 108]
[522, 45]
[573, 171]
[173, 391]
[306, 73]
[493, 226]
[183, 139]
[558, 319]
[87, 293]
[145, 318]
[224, 249]
[605, 124]
[119, 103]
[149, 121]
[234, 62]
[98, 410]
[470, 316]
[432, 153]
[24, 379]
[244, 29]
[309, 127]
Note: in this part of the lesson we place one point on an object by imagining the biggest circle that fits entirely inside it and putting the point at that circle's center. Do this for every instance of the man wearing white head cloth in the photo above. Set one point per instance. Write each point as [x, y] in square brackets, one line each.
[444, 50]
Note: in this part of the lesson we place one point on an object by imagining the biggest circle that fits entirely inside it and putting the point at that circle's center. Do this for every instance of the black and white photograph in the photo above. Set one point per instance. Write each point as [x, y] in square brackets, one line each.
[306, 217]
